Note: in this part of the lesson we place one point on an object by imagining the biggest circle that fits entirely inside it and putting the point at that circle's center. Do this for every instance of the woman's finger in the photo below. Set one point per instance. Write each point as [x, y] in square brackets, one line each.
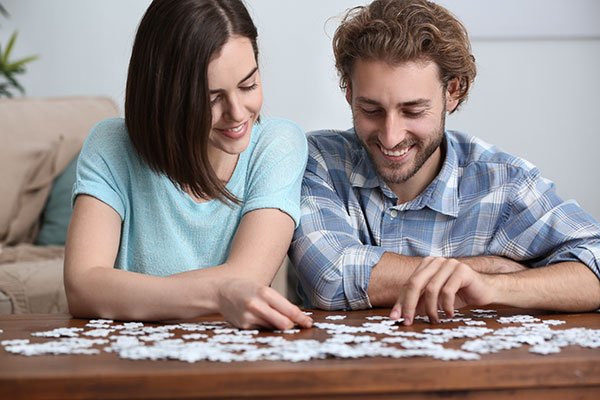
[286, 308]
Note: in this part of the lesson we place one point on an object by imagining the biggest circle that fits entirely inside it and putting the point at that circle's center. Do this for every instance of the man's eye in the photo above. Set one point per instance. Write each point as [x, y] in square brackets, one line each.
[414, 114]
[370, 111]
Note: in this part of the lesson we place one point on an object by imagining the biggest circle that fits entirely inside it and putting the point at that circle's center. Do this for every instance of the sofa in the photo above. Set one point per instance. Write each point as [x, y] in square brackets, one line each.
[39, 143]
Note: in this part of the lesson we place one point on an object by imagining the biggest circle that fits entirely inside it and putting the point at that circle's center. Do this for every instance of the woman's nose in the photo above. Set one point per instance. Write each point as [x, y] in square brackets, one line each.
[235, 108]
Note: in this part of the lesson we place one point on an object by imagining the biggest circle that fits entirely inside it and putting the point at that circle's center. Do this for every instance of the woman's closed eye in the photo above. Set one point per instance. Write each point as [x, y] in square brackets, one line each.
[250, 87]
[215, 99]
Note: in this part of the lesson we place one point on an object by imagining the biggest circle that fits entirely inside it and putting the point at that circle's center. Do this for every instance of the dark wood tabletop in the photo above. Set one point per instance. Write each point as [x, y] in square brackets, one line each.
[574, 372]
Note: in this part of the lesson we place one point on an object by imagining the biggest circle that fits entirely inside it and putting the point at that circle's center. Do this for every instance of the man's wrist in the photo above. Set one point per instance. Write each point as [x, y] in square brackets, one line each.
[501, 289]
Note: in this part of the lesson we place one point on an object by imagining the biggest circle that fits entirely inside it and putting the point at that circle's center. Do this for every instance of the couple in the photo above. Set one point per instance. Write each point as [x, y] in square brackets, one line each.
[396, 212]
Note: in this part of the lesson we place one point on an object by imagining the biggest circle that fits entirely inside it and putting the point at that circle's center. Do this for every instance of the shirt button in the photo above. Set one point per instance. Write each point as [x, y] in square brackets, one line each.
[393, 213]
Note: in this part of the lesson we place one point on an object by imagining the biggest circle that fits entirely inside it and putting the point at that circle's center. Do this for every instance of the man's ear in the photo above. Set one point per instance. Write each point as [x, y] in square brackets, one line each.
[349, 94]
[452, 94]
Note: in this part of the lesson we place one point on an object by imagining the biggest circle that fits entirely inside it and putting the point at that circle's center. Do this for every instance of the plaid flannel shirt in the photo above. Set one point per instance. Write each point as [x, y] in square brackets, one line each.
[483, 202]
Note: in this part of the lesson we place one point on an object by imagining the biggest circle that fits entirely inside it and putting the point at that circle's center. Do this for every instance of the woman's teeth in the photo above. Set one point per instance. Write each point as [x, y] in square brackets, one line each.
[236, 129]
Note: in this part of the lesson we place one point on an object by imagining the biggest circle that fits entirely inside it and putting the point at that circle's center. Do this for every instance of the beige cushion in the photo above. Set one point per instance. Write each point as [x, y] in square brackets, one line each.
[29, 252]
[31, 279]
[39, 137]
[33, 287]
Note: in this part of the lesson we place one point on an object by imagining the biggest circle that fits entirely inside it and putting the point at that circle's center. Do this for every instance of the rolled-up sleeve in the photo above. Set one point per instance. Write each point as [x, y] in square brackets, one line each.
[542, 229]
[333, 265]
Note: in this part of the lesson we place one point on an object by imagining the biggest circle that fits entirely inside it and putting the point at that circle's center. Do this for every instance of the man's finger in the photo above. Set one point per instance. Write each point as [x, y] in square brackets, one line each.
[396, 311]
[431, 294]
[413, 288]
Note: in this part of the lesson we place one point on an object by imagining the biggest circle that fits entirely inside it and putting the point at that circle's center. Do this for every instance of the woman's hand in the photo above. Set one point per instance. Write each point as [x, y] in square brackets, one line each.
[247, 304]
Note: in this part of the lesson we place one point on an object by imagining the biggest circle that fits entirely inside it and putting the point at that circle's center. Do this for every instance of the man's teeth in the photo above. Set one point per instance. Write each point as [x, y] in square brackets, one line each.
[395, 153]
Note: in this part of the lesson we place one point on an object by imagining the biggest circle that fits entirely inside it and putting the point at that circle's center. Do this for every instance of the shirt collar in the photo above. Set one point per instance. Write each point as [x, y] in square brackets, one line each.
[441, 195]
[363, 173]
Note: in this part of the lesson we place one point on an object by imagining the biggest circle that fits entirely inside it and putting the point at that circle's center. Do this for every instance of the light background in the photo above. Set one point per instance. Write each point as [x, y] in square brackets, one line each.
[536, 94]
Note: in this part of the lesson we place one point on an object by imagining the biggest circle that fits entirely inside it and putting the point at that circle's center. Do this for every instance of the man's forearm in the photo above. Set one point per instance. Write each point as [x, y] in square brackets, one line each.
[388, 276]
[493, 264]
[393, 270]
[568, 287]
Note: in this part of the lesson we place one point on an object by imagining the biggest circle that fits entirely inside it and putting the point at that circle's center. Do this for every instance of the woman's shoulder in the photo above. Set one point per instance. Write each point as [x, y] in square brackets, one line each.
[111, 133]
[279, 126]
[276, 140]
[109, 141]
[280, 132]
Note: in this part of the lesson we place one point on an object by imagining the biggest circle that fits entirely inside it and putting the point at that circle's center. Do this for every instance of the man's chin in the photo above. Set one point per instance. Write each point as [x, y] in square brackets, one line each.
[393, 176]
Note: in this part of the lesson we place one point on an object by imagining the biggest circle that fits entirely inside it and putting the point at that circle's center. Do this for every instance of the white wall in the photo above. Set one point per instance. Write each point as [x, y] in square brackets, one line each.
[536, 94]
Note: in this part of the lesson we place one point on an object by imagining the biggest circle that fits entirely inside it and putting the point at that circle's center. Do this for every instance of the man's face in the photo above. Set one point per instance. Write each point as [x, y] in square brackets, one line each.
[399, 113]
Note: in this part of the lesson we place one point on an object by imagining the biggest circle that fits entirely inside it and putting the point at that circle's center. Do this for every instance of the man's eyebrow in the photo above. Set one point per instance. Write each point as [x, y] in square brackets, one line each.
[411, 103]
[366, 100]
[241, 81]
[416, 103]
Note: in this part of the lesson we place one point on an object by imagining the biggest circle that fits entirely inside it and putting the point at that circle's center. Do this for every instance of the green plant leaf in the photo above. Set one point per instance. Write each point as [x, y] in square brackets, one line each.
[11, 79]
[9, 46]
[4, 12]
[4, 92]
[13, 69]
[16, 84]
[21, 63]
[9, 69]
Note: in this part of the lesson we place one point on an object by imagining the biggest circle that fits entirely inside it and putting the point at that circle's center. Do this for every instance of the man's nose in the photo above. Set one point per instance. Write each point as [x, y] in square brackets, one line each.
[393, 131]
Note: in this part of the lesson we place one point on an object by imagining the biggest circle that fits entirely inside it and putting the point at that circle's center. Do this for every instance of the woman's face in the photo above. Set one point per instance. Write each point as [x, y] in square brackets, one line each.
[236, 98]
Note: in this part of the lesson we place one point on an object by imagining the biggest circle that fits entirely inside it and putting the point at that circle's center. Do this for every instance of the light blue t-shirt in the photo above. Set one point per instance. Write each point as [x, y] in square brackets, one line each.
[163, 230]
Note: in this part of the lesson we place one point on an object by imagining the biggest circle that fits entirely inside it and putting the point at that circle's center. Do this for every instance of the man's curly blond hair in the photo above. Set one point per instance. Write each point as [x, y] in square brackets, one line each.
[398, 31]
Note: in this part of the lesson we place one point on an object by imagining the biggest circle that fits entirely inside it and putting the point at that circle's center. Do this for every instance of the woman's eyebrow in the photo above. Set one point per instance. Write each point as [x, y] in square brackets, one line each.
[249, 75]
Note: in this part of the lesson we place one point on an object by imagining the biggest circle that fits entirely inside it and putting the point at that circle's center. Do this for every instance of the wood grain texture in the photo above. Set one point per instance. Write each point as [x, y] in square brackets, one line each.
[574, 372]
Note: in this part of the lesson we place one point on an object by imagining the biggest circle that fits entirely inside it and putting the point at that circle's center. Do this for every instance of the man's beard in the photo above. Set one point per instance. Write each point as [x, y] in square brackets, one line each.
[393, 173]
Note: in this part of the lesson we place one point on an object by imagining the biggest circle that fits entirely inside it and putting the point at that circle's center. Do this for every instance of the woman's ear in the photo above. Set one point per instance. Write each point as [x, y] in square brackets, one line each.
[452, 94]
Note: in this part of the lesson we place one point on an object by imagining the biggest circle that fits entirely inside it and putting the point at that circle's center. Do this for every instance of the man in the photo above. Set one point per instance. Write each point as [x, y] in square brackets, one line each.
[398, 212]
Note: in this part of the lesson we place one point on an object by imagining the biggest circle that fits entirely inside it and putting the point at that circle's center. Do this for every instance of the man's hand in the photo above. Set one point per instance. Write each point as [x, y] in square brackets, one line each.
[247, 305]
[441, 283]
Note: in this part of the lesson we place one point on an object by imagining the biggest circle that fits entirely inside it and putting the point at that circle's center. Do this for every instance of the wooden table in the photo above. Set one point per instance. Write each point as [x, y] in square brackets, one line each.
[574, 372]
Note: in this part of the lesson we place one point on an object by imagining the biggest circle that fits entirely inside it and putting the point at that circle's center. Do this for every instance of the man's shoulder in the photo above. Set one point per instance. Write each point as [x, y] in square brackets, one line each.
[472, 151]
[328, 142]
[334, 152]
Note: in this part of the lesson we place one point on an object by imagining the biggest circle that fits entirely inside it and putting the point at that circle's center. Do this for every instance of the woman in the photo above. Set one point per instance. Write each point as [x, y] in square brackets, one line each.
[190, 179]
